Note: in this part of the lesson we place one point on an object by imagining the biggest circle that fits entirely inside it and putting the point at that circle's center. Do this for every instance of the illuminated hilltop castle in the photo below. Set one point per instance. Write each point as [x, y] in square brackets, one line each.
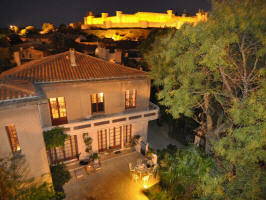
[141, 20]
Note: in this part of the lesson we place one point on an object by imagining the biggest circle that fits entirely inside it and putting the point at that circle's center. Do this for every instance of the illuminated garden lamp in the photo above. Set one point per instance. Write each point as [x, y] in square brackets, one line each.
[145, 181]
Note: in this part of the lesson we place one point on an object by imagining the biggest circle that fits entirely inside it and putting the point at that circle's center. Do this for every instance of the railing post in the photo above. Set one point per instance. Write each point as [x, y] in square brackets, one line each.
[122, 135]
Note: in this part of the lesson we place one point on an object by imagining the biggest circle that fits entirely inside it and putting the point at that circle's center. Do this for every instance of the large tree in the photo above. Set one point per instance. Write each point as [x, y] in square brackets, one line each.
[215, 72]
[203, 70]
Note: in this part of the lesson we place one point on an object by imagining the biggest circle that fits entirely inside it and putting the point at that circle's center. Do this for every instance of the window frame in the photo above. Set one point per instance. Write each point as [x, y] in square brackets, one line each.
[128, 134]
[13, 138]
[98, 103]
[130, 99]
[60, 120]
[115, 137]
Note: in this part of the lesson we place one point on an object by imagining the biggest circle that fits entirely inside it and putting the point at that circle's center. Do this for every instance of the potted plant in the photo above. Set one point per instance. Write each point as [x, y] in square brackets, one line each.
[94, 157]
[88, 149]
[88, 142]
[136, 142]
[95, 160]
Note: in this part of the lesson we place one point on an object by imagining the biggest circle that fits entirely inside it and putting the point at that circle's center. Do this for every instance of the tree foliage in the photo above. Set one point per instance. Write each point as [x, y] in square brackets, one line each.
[215, 72]
[204, 69]
[54, 137]
[60, 176]
[181, 172]
[15, 183]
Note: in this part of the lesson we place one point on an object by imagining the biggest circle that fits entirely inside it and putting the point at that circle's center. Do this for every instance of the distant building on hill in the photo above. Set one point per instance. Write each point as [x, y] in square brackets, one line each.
[141, 20]
[27, 54]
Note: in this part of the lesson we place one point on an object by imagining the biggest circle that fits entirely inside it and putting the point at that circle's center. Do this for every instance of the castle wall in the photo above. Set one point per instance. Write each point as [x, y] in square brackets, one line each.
[142, 20]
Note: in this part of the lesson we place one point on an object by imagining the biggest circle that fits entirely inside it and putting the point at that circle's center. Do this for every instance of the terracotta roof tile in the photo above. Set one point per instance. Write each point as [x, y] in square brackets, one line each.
[57, 68]
[16, 90]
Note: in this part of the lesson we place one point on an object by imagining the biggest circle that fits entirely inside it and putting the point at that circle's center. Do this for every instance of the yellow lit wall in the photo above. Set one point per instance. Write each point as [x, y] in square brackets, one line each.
[141, 20]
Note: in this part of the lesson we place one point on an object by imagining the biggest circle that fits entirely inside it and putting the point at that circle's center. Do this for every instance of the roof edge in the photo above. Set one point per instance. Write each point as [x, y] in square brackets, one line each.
[95, 79]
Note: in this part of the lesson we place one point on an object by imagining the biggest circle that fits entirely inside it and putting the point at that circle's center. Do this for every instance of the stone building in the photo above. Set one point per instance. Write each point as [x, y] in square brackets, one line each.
[87, 96]
[21, 126]
[27, 54]
[141, 20]
[104, 53]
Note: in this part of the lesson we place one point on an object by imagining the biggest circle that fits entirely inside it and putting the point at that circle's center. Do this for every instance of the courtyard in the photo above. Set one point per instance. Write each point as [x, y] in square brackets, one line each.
[111, 182]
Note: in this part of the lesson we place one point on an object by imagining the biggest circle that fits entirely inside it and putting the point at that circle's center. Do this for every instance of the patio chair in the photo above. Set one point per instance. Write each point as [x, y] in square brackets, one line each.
[149, 164]
[135, 177]
[88, 169]
[145, 179]
[131, 169]
[139, 162]
[155, 170]
[97, 165]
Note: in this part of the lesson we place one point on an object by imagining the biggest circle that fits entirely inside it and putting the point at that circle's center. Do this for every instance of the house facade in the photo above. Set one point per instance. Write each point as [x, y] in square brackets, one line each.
[21, 128]
[89, 97]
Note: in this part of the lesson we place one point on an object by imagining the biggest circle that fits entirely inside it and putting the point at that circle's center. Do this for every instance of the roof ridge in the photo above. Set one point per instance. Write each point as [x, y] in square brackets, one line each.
[58, 67]
[30, 64]
[120, 65]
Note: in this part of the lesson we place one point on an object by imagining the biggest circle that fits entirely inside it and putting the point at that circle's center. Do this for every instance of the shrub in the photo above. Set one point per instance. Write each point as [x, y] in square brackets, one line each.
[55, 137]
[60, 176]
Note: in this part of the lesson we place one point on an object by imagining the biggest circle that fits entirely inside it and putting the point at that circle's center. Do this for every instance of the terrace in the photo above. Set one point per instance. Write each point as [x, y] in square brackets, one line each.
[151, 113]
[112, 181]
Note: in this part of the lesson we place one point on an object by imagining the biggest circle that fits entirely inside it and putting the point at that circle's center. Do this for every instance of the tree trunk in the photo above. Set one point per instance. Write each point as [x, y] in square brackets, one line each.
[209, 123]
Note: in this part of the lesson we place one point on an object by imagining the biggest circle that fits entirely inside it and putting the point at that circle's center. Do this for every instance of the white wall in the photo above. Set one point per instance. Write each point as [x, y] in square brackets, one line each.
[26, 119]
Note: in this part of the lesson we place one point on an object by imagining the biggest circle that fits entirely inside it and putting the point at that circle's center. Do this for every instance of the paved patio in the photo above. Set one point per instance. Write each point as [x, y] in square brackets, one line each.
[112, 182]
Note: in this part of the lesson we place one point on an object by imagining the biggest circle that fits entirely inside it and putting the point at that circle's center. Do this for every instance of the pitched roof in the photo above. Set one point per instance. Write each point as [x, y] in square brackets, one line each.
[16, 90]
[57, 68]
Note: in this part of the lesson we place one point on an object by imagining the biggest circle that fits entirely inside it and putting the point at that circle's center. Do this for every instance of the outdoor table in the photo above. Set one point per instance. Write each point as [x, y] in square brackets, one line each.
[89, 169]
[149, 163]
[141, 169]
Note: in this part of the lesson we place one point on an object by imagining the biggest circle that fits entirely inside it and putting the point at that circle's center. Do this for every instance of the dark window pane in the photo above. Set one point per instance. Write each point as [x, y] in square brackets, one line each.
[100, 107]
[94, 107]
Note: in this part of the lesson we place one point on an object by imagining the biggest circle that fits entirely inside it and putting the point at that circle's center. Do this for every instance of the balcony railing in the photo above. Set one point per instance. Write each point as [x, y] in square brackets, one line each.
[151, 113]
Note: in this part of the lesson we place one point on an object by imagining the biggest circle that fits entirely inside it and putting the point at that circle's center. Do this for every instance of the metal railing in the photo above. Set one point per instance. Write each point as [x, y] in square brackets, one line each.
[151, 113]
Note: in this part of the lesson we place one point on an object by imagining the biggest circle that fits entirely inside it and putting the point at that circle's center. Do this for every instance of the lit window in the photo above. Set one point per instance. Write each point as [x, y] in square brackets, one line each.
[130, 99]
[13, 138]
[97, 102]
[58, 110]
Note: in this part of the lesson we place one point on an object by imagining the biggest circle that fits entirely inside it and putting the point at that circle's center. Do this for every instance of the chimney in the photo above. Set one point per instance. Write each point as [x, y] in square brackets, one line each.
[72, 57]
[17, 58]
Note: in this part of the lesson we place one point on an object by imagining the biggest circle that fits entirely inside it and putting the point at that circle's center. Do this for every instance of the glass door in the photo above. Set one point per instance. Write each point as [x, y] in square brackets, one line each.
[115, 135]
[102, 140]
[67, 152]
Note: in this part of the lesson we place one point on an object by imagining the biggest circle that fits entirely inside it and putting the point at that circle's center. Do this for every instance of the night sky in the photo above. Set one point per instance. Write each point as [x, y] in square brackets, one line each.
[36, 12]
